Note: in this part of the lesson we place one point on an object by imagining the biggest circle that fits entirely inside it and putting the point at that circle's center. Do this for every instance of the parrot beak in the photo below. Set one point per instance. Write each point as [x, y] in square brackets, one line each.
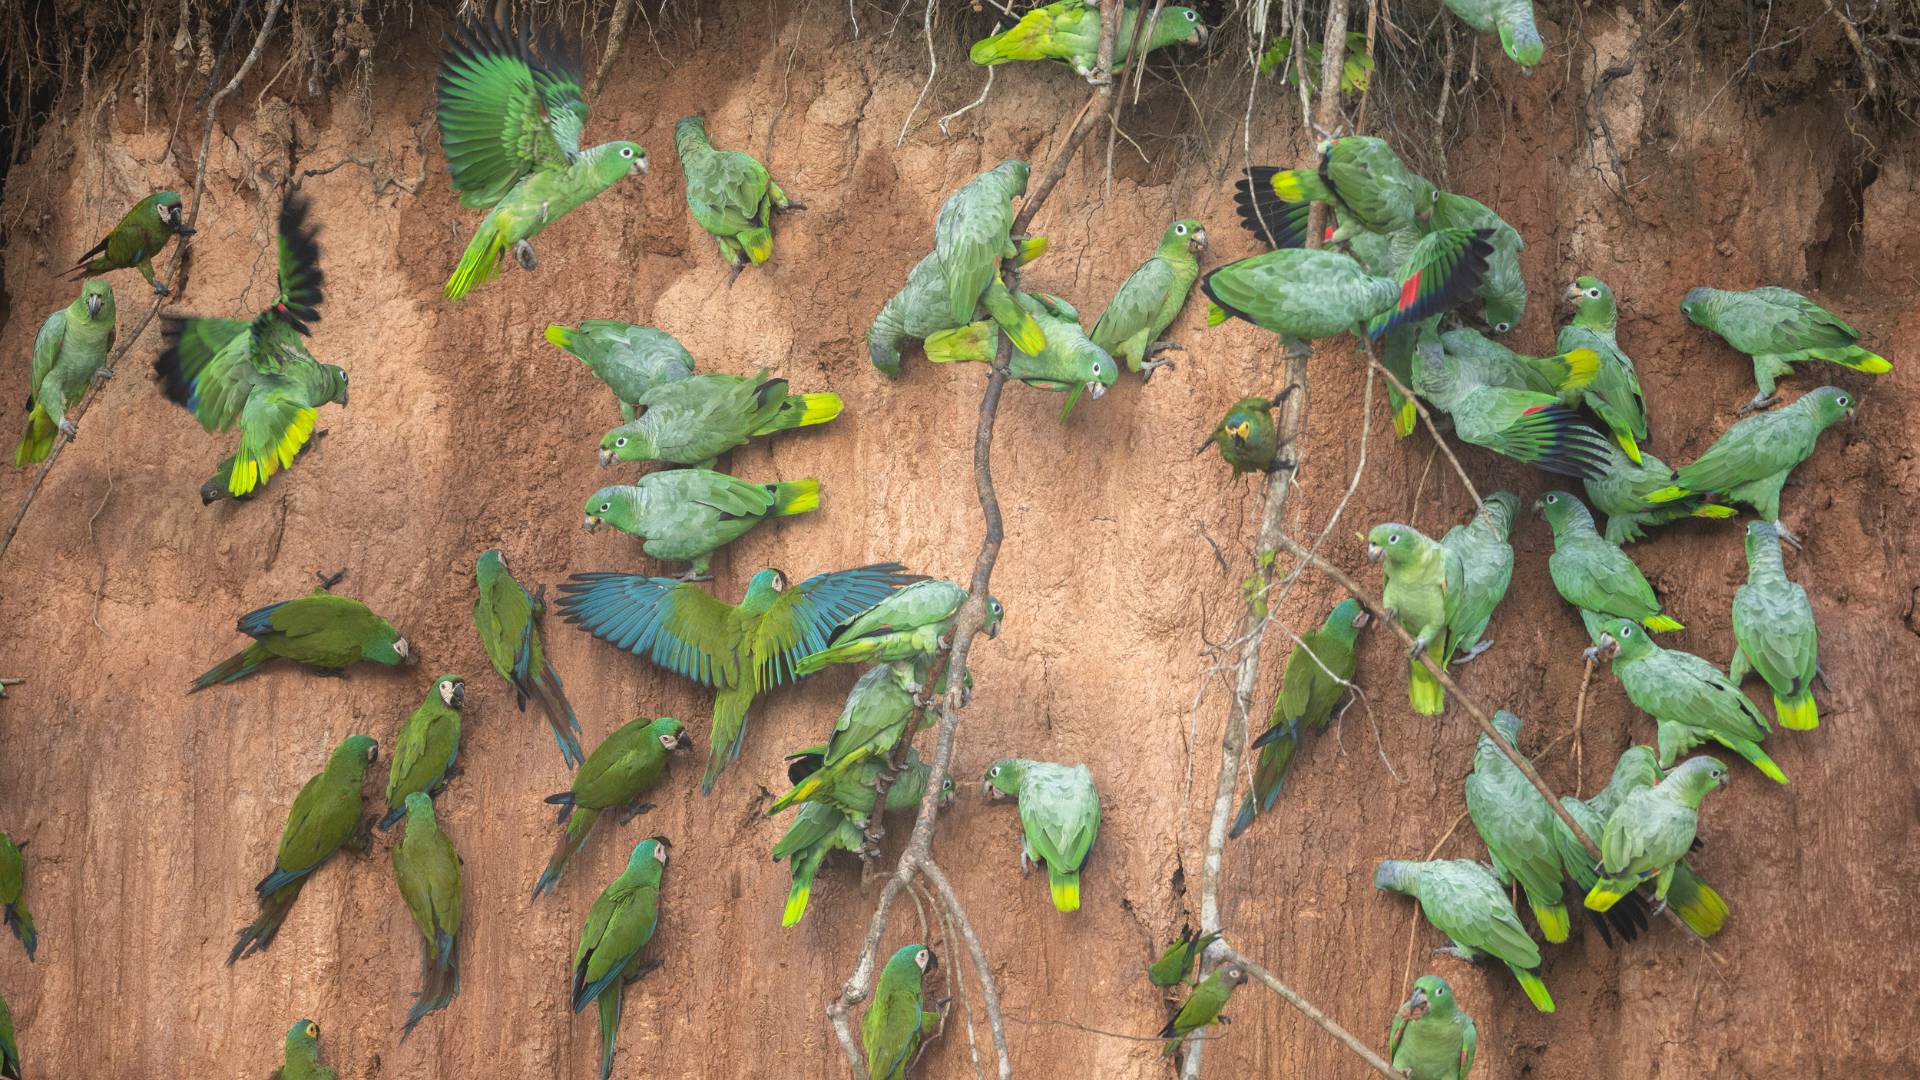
[343, 397]
[1363, 618]
[1198, 241]
[1539, 506]
[1096, 390]
[607, 458]
[992, 793]
[1374, 551]
[1573, 294]
[459, 694]
[686, 740]
[994, 632]
[1416, 1006]
[93, 305]
[933, 960]
[591, 523]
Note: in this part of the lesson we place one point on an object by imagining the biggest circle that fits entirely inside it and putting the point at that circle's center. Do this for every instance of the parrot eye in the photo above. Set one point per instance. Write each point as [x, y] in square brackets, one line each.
[1192, 17]
[626, 151]
[1845, 401]
[313, 1031]
[660, 854]
[621, 441]
[1393, 538]
[604, 507]
[1179, 230]
[920, 959]
[1501, 328]
[1626, 631]
[995, 771]
[1551, 499]
[1593, 294]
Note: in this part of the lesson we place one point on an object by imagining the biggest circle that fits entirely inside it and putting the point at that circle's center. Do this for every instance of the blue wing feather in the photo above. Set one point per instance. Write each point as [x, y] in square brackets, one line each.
[260, 620]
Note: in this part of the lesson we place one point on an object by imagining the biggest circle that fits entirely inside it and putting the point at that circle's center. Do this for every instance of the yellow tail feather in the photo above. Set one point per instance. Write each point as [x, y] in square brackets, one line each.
[1583, 366]
[1856, 358]
[796, 902]
[1554, 922]
[1215, 314]
[1287, 185]
[1705, 914]
[1797, 714]
[480, 263]
[796, 497]
[560, 335]
[1665, 494]
[973, 341]
[1030, 249]
[1536, 990]
[818, 408]
[249, 473]
[1066, 890]
[1028, 337]
[1714, 510]
[1607, 892]
[1628, 444]
[37, 443]
[1661, 624]
[1403, 419]
[759, 245]
[1425, 693]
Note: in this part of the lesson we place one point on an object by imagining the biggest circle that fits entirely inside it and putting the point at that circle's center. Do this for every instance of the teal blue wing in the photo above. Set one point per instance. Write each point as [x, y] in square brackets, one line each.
[673, 623]
[799, 622]
[507, 106]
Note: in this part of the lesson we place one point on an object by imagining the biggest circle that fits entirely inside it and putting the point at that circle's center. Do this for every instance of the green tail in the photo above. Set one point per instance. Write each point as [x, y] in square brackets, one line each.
[1854, 357]
[20, 921]
[1698, 905]
[37, 443]
[802, 410]
[973, 341]
[1666, 495]
[1661, 624]
[1797, 713]
[481, 261]
[759, 244]
[233, 668]
[1554, 921]
[1622, 432]
[1752, 752]
[613, 1002]
[820, 778]
[795, 497]
[1427, 696]
[439, 981]
[1020, 327]
[1066, 888]
[578, 826]
[1535, 989]
[852, 652]
[798, 895]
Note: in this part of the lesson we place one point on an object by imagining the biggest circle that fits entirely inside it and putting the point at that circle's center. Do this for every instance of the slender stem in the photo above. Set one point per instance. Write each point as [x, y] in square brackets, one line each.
[1427, 419]
[1272, 982]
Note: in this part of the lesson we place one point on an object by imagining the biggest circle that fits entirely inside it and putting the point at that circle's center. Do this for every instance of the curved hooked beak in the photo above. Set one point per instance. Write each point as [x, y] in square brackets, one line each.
[1200, 34]
[407, 655]
[1574, 293]
[93, 305]
[459, 694]
[1416, 1004]
[607, 457]
[992, 793]
[1198, 241]
[1097, 389]
[591, 523]
[1374, 551]
[1363, 618]
[685, 741]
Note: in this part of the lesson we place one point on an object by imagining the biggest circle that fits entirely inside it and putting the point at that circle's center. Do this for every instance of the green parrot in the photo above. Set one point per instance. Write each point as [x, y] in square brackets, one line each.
[1486, 565]
[1151, 298]
[1651, 831]
[970, 237]
[302, 1061]
[1511, 404]
[685, 515]
[426, 748]
[822, 828]
[1246, 435]
[879, 712]
[1420, 578]
[630, 359]
[1503, 290]
[1689, 699]
[1433, 1038]
[1059, 815]
[1180, 963]
[738, 650]
[507, 617]
[1068, 362]
[325, 817]
[905, 628]
[1774, 632]
[1593, 574]
[428, 870]
[139, 236]
[9, 1045]
[1366, 183]
[1621, 488]
[1476, 360]
[922, 309]
[1519, 37]
[1068, 31]
[695, 420]
[69, 352]
[1518, 828]
[899, 1017]
[627, 764]
[258, 376]
[1203, 1006]
[1316, 677]
[730, 194]
[1463, 900]
[1751, 461]
[1614, 395]
[320, 630]
[619, 925]
[1779, 328]
[13, 884]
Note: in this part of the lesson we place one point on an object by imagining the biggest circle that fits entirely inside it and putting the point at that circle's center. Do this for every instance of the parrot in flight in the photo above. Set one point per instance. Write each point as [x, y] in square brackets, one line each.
[1151, 298]
[1518, 828]
[1203, 1006]
[900, 1016]
[823, 827]
[1774, 632]
[1750, 462]
[1593, 574]
[1433, 1038]
[1068, 31]
[1486, 568]
[1503, 291]
[1421, 578]
[739, 650]
[1651, 831]
[921, 309]
[258, 376]
[970, 237]
[695, 420]
[1246, 436]
[1069, 361]
[302, 1059]
[1779, 328]
[13, 884]
[1059, 815]
[631, 360]
[69, 352]
[627, 764]
[1513, 21]
[1689, 699]
[325, 817]
[731, 196]
[619, 925]
[879, 712]
[428, 870]
[507, 617]
[1614, 394]
[1511, 404]
[685, 515]
[1621, 490]
[1463, 900]
[138, 237]
[426, 747]
[511, 114]
[1316, 677]
[1180, 963]
[904, 629]
[320, 630]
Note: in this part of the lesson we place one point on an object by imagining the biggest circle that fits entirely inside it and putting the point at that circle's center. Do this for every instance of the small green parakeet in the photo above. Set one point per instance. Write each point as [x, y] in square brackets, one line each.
[1181, 962]
[137, 238]
[1690, 700]
[730, 194]
[1751, 461]
[1069, 361]
[511, 114]
[1519, 37]
[257, 375]
[1246, 436]
[426, 748]
[1068, 31]
[13, 884]
[922, 309]
[69, 352]
[1621, 490]
[320, 630]
[1433, 1038]
[9, 1044]
[1059, 817]
[1151, 298]
[627, 764]
[630, 359]
[1503, 290]
[1651, 831]
[1420, 577]
[1366, 183]
[685, 515]
[507, 618]
[1593, 574]
[1316, 677]
[1486, 569]
[1463, 900]
[836, 823]
[1518, 828]
[428, 870]
[879, 712]
[619, 925]
[325, 818]
[1511, 404]
[1203, 1006]
[695, 420]
[1614, 394]
[1779, 328]
[906, 629]
[900, 1017]
[302, 1058]
[1774, 632]
[740, 650]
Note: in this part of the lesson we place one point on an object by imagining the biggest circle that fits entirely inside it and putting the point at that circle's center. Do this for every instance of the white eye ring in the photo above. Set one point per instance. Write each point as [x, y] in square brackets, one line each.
[1501, 328]
[1551, 499]
[1179, 230]
[1626, 631]
[621, 441]
[1394, 538]
[343, 375]
[995, 771]
[1593, 294]
[604, 507]
[626, 151]
[1191, 16]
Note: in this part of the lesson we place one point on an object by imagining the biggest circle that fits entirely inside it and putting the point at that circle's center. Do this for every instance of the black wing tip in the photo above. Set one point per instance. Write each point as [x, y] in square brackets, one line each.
[167, 367]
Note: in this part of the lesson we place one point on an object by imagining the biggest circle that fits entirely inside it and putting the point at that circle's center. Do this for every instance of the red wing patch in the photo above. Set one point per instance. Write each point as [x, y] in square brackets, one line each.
[1535, 409]
[1410, 291]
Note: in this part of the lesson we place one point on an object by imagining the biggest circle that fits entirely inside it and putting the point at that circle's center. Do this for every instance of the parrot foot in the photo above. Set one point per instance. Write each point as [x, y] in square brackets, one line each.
[328, 581]
[454, 772]
[1483, 646]
[1026, 864]
[540, 595]
[734, 275]
[101, 376]
[1298, 350]
[695, 574]
[1456, 951]
[633, 810]
[1787, 535]
[1223, 1018]
[1283, 465]
[1820, 672]
[68, 429]
[789, 206]
[1760, 401]
[160, 288]
[523, 253]
[1148, 367]
[645, 969]
[1658, 908]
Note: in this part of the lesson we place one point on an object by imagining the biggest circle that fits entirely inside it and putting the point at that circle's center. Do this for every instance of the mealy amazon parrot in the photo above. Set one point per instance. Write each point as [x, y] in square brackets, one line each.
[619, 925]
[138, 237]
[1151, 298]
[507, 618]
[325, 817]
[426, 747]
[971, 236]
[1621, 488]
[1246, 436]
[1651, 831]
[630, 359]
[1181, 962]
[1059, 817]
[1511, 404]
[685, 515]
[879, 712]
[628, 763]
[738, 650]
[905, 629]
[824, 827]
[1593, 574]
[1419, 579]
[1750, 462]
[1512, 20]
[1433, 1038]
[1518, 828]
[1203, 1006]
[1503, 291]
[1068, 31]
[258, 376]
[1779, 328]
[1463, 900]
[1369, 188]
[319, 630]
[1690, 700]
[922, 309]
[730, 194]
[1774, 632]
[1486, 565]
[695, 420]
[13, 884]
[1614, 394]
[9, 1044]
[302, 1057]
[1316, 677]
[69, 352]
[428, 870]
[511, 115]
[899, 1017]
[1069, 361]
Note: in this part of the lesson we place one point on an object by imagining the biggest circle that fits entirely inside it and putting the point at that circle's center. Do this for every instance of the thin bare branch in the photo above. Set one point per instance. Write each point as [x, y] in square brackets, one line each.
[1322, 1020]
